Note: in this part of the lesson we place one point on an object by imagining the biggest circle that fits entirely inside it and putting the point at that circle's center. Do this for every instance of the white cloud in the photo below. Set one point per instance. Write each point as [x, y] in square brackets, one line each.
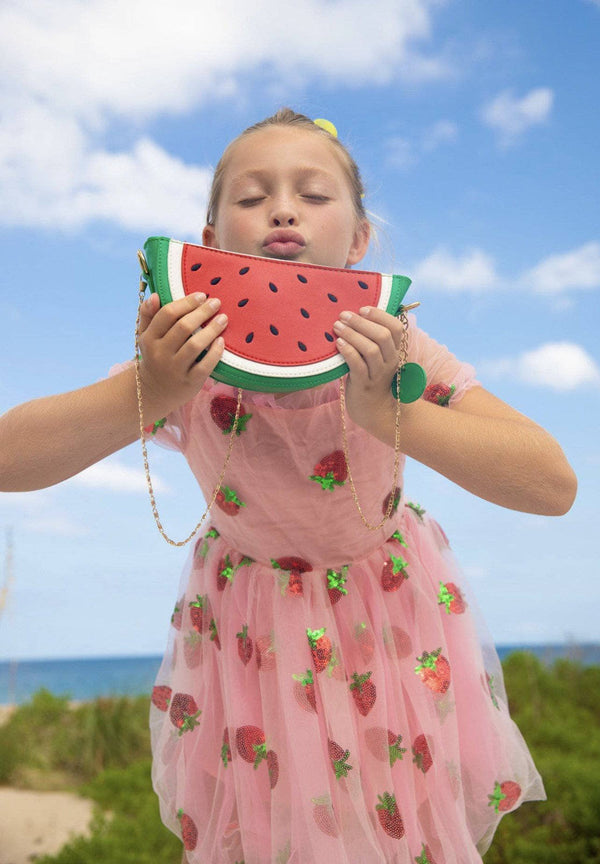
[474, 272]
[68, 69]
[113, 476]
[140, 58]
[476, 573]
[57, 524]
[561, 366]
[510, 116]
[39, 513]
[400, 152]
[442, 132]
[577, 270]
[52, 176]
[403, 152]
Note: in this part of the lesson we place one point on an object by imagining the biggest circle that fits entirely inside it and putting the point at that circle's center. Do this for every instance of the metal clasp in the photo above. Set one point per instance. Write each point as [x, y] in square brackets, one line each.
[143, 263]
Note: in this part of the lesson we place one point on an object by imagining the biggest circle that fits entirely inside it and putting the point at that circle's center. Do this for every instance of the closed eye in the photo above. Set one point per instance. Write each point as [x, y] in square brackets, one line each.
[250, 202]
[319, 199]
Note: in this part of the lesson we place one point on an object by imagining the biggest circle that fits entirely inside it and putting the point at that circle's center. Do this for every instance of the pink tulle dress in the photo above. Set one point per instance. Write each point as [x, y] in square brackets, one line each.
[328, 693]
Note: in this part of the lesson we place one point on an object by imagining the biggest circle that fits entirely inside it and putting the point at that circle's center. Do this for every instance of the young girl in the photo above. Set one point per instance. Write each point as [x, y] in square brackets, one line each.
[325, 695]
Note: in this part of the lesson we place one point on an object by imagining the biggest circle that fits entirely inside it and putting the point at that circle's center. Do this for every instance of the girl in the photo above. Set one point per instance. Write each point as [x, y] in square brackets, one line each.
[325, 695]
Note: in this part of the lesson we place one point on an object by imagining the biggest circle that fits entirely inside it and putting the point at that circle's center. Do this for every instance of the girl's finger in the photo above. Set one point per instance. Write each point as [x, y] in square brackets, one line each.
[171, 319]
[149, 308]
[205, 366]
[369, 350]
[355, 361]
[381, 332]
[201, 341]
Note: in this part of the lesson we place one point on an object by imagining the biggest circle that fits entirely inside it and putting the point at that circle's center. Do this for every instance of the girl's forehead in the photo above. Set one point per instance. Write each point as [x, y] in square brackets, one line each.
[266, 150]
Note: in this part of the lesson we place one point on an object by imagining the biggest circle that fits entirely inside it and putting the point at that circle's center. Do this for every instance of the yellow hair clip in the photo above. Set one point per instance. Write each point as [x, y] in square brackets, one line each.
[327, 125]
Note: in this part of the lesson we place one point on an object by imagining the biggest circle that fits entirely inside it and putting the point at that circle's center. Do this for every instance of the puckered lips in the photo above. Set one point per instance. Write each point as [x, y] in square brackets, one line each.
[283, 243]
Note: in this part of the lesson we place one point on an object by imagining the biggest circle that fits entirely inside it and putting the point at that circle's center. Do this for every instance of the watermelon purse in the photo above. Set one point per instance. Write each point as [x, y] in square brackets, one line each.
[281, 313]
[279, 335]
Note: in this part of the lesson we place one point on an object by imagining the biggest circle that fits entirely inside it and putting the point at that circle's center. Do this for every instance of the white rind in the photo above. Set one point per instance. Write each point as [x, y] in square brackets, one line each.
[272, 371]
[174, 269]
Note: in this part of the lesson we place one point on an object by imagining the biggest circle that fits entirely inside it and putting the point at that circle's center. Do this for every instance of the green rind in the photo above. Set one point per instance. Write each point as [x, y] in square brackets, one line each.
[228, 374]
[400, 285]
[156, 251]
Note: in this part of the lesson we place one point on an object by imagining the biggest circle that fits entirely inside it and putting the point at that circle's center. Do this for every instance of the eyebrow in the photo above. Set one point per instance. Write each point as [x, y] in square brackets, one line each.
[302, 172]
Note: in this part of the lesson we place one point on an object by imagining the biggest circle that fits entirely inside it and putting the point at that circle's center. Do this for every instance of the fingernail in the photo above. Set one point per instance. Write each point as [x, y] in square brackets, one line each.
[366, 310]
[221, 319]
[341, 341]
[339, 326]
[214, 303]
[346, 316]
[199, 297]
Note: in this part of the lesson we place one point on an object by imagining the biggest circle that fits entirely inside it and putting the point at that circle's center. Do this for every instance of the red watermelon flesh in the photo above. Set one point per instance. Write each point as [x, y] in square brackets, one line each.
[281, 313]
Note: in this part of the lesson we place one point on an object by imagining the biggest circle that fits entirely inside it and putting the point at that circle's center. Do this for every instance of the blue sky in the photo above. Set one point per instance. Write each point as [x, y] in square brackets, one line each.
[476, 128]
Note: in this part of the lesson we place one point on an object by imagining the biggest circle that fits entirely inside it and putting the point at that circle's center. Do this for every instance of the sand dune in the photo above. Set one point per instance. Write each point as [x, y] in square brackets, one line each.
[36, 823]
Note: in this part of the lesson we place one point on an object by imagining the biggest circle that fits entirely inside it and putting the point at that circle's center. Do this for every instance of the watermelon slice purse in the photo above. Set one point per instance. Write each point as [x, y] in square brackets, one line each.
[280, 335]
[281, 314]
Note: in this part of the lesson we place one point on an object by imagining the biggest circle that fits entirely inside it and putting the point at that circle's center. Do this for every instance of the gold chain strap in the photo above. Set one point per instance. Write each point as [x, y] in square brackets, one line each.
[402, 355]
[138, 384]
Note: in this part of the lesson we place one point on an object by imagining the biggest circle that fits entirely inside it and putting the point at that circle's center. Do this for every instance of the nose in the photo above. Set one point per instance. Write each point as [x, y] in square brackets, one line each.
[279, 221]
[283, 212]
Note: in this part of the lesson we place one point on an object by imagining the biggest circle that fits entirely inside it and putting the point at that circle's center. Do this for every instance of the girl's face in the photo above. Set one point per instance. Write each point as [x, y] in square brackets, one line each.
[286, 195]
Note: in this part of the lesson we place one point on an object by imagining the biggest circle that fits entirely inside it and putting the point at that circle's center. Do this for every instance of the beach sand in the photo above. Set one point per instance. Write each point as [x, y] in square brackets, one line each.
[5, 712]
[36, 823]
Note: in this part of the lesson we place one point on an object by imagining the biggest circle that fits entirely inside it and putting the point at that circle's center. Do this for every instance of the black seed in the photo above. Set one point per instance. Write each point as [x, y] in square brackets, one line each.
[304, 313]
[243, 271]
[243, 302]
[302, 346]
[249, 337]
[303, 279]
[329, 337]
[215, 281]
[333, 298]
[273, 330]
[363, 285]
[196, 266]
[273, 287]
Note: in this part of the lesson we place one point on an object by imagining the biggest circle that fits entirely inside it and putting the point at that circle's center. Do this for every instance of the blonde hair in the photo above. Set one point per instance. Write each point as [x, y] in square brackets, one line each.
[287, 117]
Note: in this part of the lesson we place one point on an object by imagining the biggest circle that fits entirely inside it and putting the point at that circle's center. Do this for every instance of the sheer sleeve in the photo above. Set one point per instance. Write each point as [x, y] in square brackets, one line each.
[448, 379]
[171, 431]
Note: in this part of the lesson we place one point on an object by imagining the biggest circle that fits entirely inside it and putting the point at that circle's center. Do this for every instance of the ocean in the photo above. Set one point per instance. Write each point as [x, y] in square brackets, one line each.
[89, 678]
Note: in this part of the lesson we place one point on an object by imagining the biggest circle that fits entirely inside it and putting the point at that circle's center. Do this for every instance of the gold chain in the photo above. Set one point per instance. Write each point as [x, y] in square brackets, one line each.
[138, 384]
[402, 355]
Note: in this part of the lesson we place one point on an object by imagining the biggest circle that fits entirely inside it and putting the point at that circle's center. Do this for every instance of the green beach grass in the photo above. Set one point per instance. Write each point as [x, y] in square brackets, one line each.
[101, 750]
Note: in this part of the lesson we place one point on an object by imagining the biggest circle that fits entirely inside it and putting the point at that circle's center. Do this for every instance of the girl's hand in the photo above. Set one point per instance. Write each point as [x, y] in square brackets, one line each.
[370, 344]
[171, 339]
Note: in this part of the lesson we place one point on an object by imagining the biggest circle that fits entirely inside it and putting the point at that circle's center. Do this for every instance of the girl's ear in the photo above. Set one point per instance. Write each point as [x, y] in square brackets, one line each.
[209, 237]
[360, 243]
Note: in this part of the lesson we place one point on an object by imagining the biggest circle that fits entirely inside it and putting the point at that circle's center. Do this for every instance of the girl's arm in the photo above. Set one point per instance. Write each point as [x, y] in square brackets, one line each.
[481, 443]
[488, 448]
[48, 440]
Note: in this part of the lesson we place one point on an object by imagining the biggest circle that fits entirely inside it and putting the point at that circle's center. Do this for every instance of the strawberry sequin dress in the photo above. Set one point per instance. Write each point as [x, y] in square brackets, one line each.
[326, 694]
